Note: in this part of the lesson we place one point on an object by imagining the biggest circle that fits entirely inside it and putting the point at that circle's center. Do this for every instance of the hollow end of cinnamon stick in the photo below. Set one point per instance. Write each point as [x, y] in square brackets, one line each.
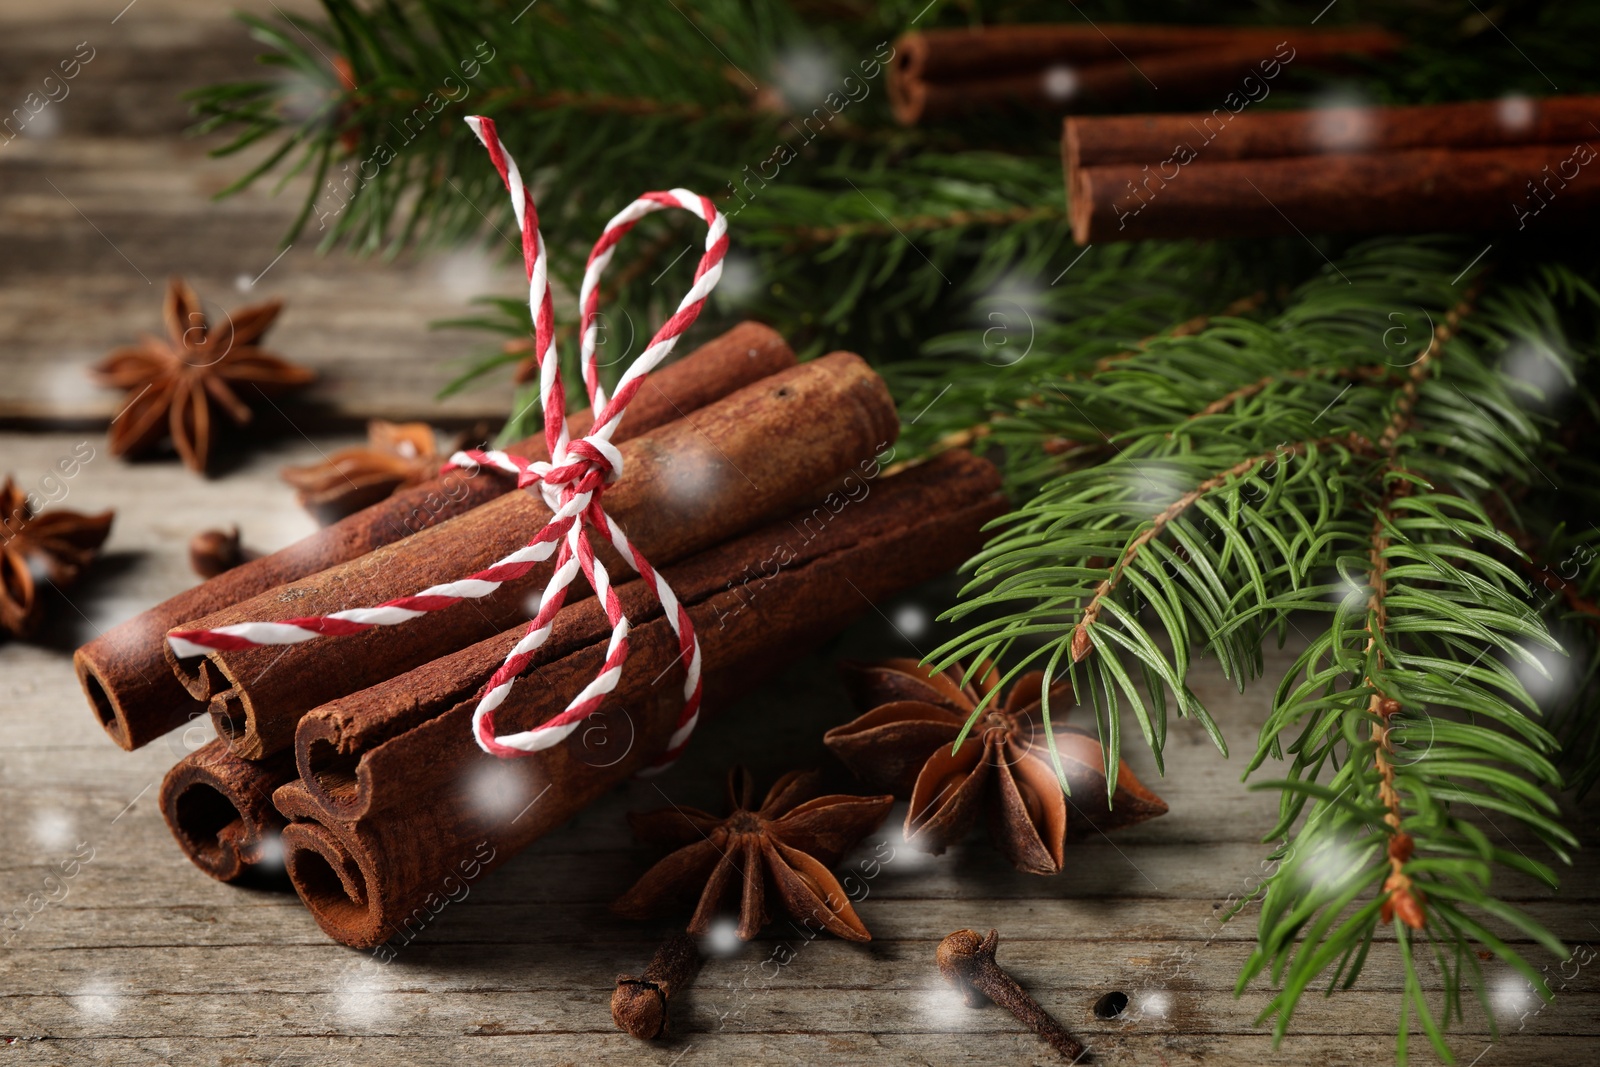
[332, 883]
[908, 97]
[219, 808]
[102, 700]
[331, 872]
[329, 771]
[134, 704]
[234, 716]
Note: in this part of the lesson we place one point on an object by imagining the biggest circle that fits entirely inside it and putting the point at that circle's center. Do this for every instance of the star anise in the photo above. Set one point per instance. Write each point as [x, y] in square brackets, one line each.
[786, 845]
[173, 382]
[396, 455]
[904, 745]
[56, 545]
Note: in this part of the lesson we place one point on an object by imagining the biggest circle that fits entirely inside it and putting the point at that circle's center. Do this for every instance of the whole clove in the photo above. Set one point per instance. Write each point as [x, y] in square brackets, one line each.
[211, 552]
[639, 1005]
[967, 962]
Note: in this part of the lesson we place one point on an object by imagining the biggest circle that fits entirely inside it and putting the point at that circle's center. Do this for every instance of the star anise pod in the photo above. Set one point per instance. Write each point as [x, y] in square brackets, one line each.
[396, 455]
[1003, 766]
[173, 382]
[56, 545]
[786, 845]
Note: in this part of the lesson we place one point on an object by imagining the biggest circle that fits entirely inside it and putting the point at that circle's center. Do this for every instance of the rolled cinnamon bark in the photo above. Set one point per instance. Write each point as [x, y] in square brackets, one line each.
[124, 672]
[343, 748]
[1062, 68]
[970, 53]
[378, 878]
[1094, 141]
[1414, 191]
[219, 807]
[686, 486]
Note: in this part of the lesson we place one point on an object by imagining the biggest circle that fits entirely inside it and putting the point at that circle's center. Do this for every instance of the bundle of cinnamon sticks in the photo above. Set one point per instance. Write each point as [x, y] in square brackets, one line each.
[1493, 165]
[1060, 68]
[351, 757]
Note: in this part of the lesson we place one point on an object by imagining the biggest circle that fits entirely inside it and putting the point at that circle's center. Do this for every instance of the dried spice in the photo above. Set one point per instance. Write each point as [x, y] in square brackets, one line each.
[55, 545]
[639, 1005]
[784, 846]
[211, 552]
[967, 962]
[904, 744]
[172, 383]
[396, 456]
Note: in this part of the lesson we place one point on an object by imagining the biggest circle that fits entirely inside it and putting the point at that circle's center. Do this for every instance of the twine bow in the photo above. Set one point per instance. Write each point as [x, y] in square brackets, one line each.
[572, 483]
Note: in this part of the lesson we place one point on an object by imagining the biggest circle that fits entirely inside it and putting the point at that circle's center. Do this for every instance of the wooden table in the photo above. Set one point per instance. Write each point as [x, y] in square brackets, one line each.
[146, 961]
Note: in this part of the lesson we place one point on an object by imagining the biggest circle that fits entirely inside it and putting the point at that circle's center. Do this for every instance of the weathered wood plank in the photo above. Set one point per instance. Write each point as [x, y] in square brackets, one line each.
[104, 194]
[794, 1049]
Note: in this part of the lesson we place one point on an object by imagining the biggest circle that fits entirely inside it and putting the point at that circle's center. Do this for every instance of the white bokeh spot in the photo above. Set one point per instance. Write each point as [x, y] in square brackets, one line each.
[722, 939]
[98, 999]
[498, 789]
[1343, 121]
[1514, 112]
[911, 620]
[1060, 83]
[52, 829]
[806, 75]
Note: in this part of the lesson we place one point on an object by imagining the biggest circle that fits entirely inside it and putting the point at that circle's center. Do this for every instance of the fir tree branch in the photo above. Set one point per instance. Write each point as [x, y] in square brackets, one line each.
[1082, 640]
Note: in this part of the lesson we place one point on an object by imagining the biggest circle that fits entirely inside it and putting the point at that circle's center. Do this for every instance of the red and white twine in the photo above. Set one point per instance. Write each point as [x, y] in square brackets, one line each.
[572, 483]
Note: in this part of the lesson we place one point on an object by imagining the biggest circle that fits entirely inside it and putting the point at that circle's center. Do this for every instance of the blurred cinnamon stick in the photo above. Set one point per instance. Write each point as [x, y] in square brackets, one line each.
[1057, 68]
[687, 485]
[366, 879]
[1412, 191]
[1094, 141]
[124, 673]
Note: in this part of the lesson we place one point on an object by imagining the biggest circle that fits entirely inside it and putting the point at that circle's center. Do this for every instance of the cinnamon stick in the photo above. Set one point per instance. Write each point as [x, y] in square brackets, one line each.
[686, 486]
[1094, 141]
[371, 880]
[219, 807]
[343, 748]
[1411, 191]
[124, 673]
[1061, 68]
[969, 53]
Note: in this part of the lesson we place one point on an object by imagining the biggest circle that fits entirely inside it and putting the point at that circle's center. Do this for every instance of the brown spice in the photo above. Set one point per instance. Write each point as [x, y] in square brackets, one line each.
[381, 747]
[967, 962]
[211, 552]
[639, 1005]
[904, 744]
[57, 545]
[173, 382]
[219, 808]
[787, 844]
[397, 455]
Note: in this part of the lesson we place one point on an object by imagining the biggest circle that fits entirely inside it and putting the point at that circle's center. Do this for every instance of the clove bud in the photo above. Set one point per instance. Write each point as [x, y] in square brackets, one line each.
[967, 962]
[639, 1005]
[213, 551]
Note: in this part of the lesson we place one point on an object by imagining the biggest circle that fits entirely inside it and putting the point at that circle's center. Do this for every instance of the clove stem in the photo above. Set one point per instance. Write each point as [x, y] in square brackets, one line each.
[639, 1005]
[967, 962]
